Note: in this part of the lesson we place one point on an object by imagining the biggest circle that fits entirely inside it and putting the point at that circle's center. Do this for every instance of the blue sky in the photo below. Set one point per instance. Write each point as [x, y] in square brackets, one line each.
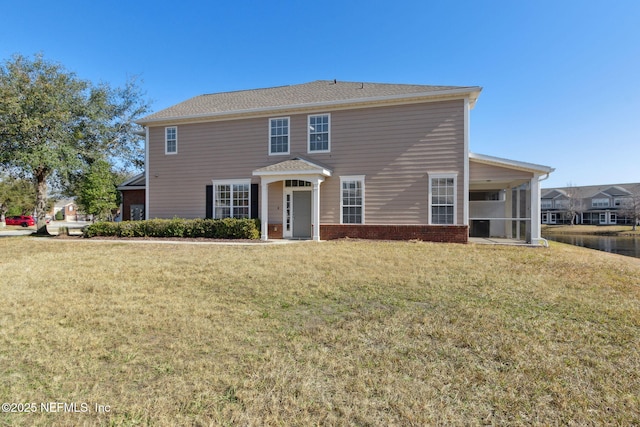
[560, 78]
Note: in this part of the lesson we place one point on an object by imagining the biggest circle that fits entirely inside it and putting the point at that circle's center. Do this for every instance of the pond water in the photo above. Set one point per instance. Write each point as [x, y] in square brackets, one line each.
[629, 246]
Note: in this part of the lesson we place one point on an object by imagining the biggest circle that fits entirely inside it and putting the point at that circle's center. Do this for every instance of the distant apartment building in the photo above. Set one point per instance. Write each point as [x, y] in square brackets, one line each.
[592, 205]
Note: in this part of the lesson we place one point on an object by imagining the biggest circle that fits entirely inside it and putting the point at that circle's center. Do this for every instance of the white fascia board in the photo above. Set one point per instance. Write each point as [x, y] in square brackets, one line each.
[133, 179]
[471, 92]
[600, 193]
[512, 164]
[131, 187]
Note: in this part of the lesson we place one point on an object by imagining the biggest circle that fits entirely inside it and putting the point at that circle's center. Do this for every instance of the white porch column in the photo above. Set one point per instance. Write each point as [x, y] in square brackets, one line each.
[508, 212]
[315, 208]
[535, 210]
[264, 212]
[518, 207]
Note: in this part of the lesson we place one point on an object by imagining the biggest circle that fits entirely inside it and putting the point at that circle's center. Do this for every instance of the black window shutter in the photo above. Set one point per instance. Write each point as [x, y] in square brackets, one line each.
[209, 201]
[255, 188]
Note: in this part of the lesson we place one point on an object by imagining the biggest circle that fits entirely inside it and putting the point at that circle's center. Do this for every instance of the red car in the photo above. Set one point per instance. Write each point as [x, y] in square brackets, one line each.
[23, 220]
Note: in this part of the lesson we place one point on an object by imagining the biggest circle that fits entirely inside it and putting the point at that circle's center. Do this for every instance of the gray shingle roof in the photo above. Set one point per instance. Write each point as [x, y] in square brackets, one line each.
[320, 91]
[296, 165]
[589, 191]
[136, 181]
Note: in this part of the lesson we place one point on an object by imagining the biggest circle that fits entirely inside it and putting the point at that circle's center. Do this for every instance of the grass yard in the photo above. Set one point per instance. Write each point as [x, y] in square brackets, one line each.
[333, 333]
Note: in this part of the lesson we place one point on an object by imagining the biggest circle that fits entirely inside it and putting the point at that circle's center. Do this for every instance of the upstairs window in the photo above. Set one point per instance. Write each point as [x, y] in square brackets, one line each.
[319, 133]
[279, 135]
[600, 203]
[171, 140]
[442, 194]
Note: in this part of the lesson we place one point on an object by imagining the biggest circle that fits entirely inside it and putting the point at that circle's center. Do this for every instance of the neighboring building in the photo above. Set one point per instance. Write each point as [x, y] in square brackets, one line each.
[593, 204]
[133, 198]
[67, 207]
[332, 159]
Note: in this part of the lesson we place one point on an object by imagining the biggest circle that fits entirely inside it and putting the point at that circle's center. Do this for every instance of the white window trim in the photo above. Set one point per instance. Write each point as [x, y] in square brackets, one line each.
[288, 136]
[600, 202]
[288, 191]
[230, 182]
[360, 178]
[455, 195]
[166, 140]
[328, 150]
[546, 204]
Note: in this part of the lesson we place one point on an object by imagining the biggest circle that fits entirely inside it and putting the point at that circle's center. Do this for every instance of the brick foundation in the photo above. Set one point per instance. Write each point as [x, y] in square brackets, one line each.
[427, 233]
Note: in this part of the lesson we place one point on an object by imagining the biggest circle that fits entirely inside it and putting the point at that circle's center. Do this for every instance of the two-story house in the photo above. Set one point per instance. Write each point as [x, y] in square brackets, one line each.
[592, 204]
[331, 159]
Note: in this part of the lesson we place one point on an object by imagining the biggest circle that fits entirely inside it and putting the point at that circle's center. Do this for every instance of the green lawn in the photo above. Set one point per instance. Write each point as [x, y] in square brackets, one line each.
[333, 333]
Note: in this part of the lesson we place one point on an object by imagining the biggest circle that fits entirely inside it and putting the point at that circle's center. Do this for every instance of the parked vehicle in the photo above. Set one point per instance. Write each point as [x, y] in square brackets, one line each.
[23, 220]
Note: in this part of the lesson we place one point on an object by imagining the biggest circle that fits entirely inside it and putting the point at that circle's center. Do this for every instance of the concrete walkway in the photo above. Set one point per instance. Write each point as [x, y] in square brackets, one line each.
[499, 241]
[169, 241]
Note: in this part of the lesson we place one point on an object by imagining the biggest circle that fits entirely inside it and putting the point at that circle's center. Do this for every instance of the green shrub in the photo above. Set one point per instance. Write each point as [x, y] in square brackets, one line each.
[101, 229]
[227, 228]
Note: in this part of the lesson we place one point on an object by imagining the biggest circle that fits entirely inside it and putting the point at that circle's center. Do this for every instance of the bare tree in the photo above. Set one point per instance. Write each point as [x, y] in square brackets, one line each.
[575, 204]
[630, 208]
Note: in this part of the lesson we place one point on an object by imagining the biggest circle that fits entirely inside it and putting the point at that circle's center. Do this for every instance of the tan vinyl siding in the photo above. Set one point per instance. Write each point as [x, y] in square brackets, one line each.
[394, 147]
[275, 202]
[206, 151]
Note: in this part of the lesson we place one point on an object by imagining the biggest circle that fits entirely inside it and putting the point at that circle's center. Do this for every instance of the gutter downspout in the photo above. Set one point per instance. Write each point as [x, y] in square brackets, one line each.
[146, 172]
[465, 177]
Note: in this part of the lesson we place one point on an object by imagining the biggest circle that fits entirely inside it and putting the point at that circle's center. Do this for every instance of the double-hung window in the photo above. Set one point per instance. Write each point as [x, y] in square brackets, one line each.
[231, 199]
[600, 203]
[352, 199]
[319, 134]
[279, 135]
[442, 194]
[171, 140]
